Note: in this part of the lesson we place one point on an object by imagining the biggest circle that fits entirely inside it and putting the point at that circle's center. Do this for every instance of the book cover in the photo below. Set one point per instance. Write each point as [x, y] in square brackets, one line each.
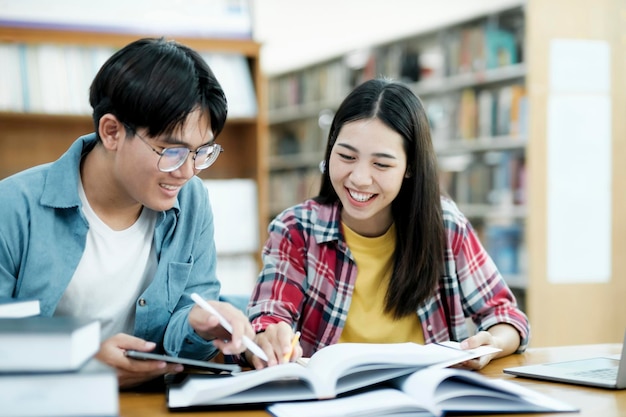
[47, 344]
[518, 101]
[500, 47]
[10, 78]
[504, 99]
[17, 308]
[331, 371]
[467, 115]
[487, 112]
[90, 391]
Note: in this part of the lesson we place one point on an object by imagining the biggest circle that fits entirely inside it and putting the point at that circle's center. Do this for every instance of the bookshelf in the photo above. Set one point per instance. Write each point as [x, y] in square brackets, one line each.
[513, 222]
[471, 77]
[32, 133]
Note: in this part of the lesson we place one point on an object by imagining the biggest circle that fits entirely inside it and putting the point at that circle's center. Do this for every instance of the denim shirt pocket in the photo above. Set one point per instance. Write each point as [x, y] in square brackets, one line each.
[177, 278]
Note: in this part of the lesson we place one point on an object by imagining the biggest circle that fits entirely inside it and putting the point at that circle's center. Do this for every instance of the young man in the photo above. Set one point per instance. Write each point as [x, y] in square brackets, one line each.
[119, 228]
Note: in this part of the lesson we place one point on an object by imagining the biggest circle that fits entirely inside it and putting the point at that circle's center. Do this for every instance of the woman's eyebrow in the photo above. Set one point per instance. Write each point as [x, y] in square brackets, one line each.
[384, 155]
[348, 147]
[376, 154]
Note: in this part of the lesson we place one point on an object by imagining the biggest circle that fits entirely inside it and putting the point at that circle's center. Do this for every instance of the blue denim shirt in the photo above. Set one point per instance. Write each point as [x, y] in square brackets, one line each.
[42, 238]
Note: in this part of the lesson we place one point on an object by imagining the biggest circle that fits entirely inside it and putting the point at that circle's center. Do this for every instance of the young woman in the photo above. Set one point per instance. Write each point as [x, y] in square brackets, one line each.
[380, 255]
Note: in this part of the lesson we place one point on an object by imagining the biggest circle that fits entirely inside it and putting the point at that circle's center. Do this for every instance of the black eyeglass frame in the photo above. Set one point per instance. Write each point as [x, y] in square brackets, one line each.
[210, 160]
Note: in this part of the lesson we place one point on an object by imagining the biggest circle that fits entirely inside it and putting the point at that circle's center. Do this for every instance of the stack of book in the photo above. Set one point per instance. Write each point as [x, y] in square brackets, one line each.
[47, 368]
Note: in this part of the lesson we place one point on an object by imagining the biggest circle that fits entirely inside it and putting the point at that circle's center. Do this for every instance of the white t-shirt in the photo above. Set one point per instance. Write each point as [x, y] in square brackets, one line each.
[114, 270]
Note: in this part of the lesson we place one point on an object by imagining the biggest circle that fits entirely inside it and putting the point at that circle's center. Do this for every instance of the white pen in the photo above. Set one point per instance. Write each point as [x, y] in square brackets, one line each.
[254, 348]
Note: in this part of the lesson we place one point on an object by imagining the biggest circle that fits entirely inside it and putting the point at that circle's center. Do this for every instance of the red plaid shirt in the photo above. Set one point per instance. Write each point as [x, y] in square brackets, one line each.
[308, 278]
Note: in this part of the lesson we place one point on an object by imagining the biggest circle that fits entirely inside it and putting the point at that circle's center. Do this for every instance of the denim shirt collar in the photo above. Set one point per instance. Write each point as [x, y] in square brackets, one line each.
[61, 183]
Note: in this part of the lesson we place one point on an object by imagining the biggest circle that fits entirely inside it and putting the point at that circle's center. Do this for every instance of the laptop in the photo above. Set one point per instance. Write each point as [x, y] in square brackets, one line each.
[604, 372]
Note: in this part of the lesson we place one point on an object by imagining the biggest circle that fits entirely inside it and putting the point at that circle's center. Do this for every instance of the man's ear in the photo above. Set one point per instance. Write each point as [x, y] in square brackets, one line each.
[111, 130]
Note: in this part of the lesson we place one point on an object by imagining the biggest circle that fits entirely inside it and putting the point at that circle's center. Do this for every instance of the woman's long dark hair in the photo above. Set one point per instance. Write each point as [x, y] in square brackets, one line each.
[420, 241]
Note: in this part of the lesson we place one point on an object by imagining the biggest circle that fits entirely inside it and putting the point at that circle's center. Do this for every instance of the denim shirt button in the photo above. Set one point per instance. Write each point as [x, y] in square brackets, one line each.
[142, 302]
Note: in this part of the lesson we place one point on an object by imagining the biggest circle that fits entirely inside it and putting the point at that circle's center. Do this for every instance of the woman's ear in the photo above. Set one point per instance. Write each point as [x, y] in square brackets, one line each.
[110, 130]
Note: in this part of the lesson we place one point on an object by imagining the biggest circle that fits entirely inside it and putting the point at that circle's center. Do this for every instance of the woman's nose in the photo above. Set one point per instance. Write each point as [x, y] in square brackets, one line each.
[361, 174]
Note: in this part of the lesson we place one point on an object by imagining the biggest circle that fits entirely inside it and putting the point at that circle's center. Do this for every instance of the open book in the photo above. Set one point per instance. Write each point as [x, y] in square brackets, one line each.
[331, 371]
[430, 392]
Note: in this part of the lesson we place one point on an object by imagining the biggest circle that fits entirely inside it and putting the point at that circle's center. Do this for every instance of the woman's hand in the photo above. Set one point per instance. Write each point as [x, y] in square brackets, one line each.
[276, 341]
[501, 336]
[132, 372]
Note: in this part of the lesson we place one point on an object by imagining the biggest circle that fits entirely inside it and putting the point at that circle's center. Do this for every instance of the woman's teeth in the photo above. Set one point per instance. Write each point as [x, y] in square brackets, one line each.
[360, 197]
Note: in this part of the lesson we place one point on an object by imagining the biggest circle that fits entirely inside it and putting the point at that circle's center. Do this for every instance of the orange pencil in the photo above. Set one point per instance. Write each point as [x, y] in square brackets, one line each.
[294, 341]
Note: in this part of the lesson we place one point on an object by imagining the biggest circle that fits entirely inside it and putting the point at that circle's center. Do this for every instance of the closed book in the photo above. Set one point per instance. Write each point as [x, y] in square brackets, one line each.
[16, 307]
[47, 344]
[90, 391]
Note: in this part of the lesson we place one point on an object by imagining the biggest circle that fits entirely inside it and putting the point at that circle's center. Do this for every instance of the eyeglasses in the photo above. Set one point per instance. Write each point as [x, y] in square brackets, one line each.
[173, 158]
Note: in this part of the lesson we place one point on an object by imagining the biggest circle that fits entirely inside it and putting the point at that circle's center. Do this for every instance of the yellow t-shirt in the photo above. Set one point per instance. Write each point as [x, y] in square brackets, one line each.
[367, 322]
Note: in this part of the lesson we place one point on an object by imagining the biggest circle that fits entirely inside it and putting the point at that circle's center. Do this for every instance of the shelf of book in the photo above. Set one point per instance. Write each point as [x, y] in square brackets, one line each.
[443, 85]
[297, 109]
[286, 162]
[300, 112]
[480, 144]
[44, 105]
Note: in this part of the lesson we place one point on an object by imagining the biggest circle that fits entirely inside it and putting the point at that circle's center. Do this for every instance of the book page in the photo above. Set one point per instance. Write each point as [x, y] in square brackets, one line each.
[456, 390]
[472, 353]
[379, 402]
[285, 382]
[331, 371]
[346, 366]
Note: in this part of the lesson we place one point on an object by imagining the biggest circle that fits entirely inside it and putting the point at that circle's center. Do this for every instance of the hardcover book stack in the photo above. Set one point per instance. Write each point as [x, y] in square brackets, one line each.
[48, 369]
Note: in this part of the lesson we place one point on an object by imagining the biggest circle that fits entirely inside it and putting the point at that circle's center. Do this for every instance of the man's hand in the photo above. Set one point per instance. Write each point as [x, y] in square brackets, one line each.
[208, 327]
[132, 372]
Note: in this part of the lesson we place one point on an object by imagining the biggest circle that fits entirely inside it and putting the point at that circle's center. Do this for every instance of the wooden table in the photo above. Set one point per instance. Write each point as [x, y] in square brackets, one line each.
[593, 402]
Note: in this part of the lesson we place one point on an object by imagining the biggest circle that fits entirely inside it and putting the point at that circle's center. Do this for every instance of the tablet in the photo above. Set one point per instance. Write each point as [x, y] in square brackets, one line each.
[191, 363]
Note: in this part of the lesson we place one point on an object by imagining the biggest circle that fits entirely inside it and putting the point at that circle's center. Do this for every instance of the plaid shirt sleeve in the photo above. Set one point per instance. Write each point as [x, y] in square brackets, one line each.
[472, 287]
[307, 278]
[278, 294]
